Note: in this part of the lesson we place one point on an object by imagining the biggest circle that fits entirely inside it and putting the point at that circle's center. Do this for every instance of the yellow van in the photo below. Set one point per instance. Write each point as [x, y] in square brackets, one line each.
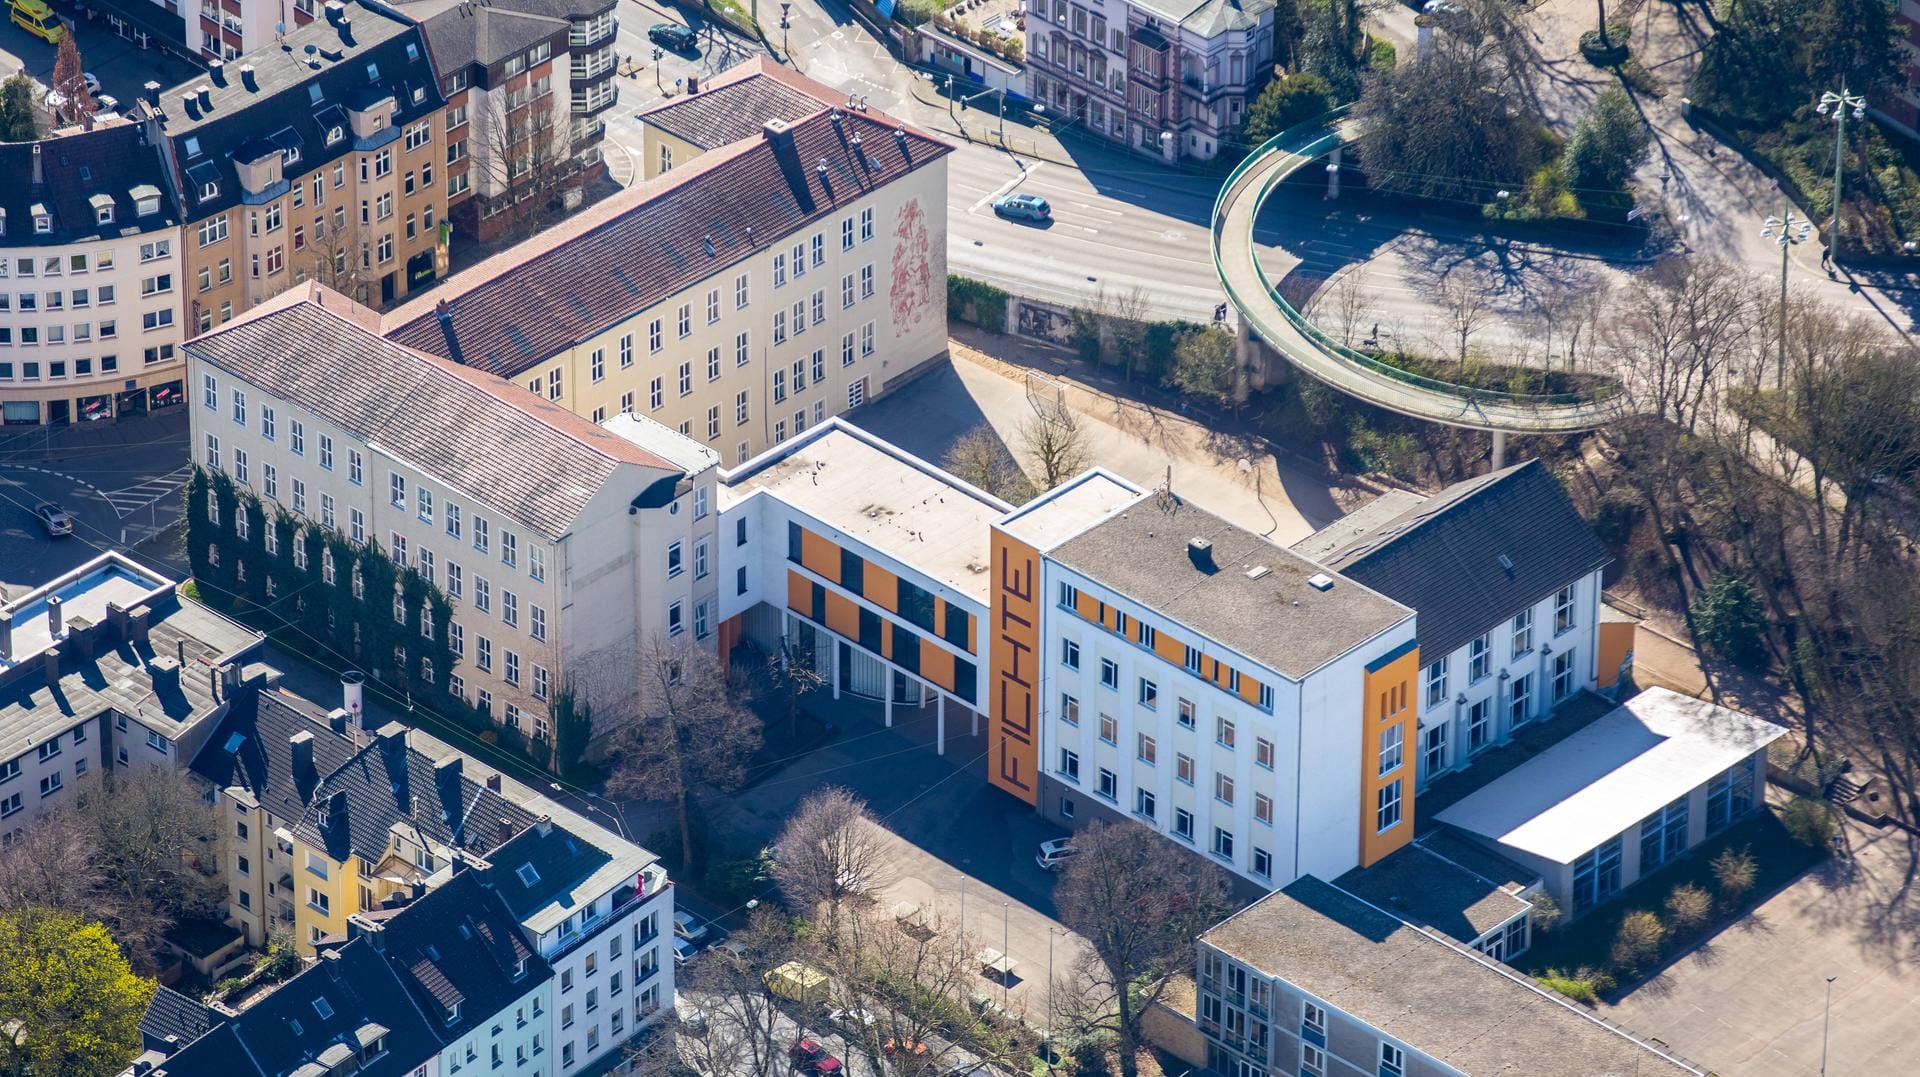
[38, 19]
[796, 982]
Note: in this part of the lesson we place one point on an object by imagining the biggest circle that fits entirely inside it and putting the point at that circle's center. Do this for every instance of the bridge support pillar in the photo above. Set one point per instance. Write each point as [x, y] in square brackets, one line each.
[1499, 449]
[1333, 174]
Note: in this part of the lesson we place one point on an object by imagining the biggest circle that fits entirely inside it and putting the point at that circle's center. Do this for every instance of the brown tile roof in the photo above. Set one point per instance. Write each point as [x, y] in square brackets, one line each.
[733, 107]
[648, 243]
[536, 462]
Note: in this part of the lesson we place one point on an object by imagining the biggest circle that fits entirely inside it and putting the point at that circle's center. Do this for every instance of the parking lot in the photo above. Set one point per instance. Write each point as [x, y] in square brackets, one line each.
[122, 67]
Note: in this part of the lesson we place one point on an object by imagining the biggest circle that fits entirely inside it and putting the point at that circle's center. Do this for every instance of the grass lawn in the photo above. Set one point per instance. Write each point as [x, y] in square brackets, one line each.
[1778, 860]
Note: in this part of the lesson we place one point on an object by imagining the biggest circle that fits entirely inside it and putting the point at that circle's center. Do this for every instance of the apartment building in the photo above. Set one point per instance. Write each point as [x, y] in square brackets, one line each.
[1511, 628]
[1313, 980]
[204, 30]
[730, 107]
[1191, 675]
[320, 157]
[527, 84]
[1171, 78]
[736, 299]
[106, 666]
[513, 508]
[90, 278]
[1901, 106]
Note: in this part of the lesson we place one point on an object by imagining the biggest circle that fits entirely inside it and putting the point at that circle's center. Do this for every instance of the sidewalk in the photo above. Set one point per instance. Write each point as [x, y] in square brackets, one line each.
[27, 444]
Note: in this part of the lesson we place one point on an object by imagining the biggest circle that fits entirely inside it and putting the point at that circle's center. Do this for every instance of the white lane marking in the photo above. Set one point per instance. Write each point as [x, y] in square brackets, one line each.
[1007, 186]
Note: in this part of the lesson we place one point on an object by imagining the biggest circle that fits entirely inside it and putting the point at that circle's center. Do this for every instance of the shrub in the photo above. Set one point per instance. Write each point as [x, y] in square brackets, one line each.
[1730, 621]
[1637, 944]
[1688, 908]
[1546, 911]
[1734, 871]
[1582, 985]
[1810, 821]
[977, 302]
[1297, 98]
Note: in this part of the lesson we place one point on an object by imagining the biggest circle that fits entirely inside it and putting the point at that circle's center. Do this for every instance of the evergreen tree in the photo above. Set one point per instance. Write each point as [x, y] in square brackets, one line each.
[1610, 142]
[17, 121]
[1729, 620]
[1297, 98]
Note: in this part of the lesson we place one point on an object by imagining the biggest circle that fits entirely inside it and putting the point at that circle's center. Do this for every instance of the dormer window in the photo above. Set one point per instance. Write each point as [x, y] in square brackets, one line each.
[290, 155]
[335, 134]
[520, 968]
[146, 207]
[209, 190]
[42, 223]
[103, 214]
[453, 1013]
[3, 231]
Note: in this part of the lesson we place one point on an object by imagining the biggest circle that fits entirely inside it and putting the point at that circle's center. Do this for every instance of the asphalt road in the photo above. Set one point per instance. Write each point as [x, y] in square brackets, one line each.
[122, 68]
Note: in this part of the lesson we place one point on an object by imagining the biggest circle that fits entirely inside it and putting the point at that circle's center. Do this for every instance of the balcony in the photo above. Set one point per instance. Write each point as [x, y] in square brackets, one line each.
[625, 900]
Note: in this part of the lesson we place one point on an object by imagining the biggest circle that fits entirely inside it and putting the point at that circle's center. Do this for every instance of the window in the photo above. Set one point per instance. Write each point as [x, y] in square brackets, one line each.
[1146, 750]
[1479, 725]
[356, 467]
[1391, 739]
[866, 224]
[1563, 610]
[676, 621]
[1149, 694]
[1222, 843]
[1521, 708]
[1386, 813]
[1663, 835]
[1187, 712]
[1069, 709]
[1109, 729]
[1143, 803]
[1223, 732]
[1479, 659]
[1313, 1020]
[1563, 675]
[1223, 788]
[1109, 785]
[1109, 674]
[1070, 766]
[1183, 824]
[1183, 767]
[1313, 1061]
[1596, 875]
[1393, 1061]
[1263, 753]
[1263, 808]
[1523, 633]
[1729, 796]
[1437, 683]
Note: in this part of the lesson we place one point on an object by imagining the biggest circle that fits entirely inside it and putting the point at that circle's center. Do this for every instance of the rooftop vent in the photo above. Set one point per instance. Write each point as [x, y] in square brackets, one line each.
[1200, 552]
[205, 94]
[1320, 581]
[218, 71]
[247, 79]
[334, 10]
[1506, 564]
[1259, 572]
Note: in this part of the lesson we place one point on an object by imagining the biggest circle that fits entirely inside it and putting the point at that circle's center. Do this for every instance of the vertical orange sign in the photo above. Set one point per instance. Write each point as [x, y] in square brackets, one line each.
[1013, 733]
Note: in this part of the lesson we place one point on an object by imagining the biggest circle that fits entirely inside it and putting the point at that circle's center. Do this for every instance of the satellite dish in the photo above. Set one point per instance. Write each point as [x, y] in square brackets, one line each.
[279, 29]
[1244, 465]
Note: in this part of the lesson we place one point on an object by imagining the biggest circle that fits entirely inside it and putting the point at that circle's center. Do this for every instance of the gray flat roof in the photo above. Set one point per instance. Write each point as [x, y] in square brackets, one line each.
[1070, 508]
[1442, 999]
[1275, 618]
[1425, 888]
[1627, 764]
[1356, 525]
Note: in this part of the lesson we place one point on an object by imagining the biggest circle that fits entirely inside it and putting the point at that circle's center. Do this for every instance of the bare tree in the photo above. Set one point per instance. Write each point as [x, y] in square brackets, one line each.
[159, 853]
[1675, 328]
[338, 256]
[980, 458]
[54, 864]
[1139, 901]
[831, 852]
[70, 82]
[908, 982]
[792, 674]
[1346, 304]
[697, 732]
[733, 1024]
[1055, 445]
[529, 161]
[1465, 307]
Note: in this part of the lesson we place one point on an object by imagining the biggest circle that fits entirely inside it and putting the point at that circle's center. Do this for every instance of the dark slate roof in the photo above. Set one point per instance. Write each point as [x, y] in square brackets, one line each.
[560, 860]
[517, 453]
[459, 945]
[75, 169]
[1442, 557]
[380, 780]
[329, 1007]
[639, 247]
[283, 111]
[172, 1016]
[727, 112]
[1276, 618]
[465, 33]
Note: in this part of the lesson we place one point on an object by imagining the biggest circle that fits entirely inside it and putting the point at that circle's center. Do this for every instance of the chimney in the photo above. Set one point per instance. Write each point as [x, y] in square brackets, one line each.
[152, 93]
[213, 683]
[778, 132]
[190, 105]
[164, 673]
[350, 691]
[229, 679]
[346, 27]
[502, 836]
[180, 651]
[301, 745]
[493, 782]
[337, 720]
[419, 889]
[544, 824]
[117, 619]
[50, 664]
[80, 638]
[55, 617]
[6, 635]
[38, 177]
[247, 79]
[334, 10]
[139, 621]
[446, 780]
[337, 809]
[204, 94]
[217, 69]
[1200, 552]
[693, 85]
[444, 313]
[393, 740]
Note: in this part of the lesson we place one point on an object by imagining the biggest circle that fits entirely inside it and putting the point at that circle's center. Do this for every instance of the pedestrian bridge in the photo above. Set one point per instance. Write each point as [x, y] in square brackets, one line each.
[1322, 357]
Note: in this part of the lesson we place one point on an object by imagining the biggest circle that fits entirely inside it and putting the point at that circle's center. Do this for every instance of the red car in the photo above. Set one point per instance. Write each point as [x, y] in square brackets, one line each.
[808, 1056]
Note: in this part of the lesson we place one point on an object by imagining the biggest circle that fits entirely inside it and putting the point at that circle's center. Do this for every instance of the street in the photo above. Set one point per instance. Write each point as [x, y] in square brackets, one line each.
[122, 67]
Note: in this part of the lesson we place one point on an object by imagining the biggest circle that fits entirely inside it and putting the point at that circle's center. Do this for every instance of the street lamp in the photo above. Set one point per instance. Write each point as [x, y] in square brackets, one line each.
[1166, 144]
[1826, 1026]
[784, 25]
[1785, 231]
[1840, 104]
[656, 69]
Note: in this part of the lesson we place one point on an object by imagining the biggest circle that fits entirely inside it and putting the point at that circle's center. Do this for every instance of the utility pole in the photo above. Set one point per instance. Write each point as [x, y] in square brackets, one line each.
[1785, 230]
[1826, 1026]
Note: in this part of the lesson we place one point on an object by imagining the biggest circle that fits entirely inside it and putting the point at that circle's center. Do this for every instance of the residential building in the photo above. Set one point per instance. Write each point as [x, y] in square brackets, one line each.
[106, 666]
[1156, 663]
[207, 30]
[526, 84]
[1900, 105]
[172, 1021]
[730, 107]
[90, 278]
[317, 157]
[1510, 627]
[1623, 796]
[1171, 78]
[512, 507]
[737, 299]
[1313, 980]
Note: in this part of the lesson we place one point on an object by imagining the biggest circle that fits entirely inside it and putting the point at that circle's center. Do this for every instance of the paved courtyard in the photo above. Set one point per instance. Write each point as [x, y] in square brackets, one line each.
[1750, 1001]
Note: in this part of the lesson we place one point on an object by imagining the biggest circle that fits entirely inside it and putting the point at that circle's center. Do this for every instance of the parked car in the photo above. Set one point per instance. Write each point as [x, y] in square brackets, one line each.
[53, 519]
[93, 82]
[684, 951]
[36, 18]
[673, 37]
[1053, 853]
[688, 926]
[852, 1021]
[1028, 207]
[808, 1056]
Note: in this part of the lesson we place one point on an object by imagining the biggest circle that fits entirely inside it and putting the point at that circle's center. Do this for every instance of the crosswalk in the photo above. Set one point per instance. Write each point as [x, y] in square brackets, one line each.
[131, 499]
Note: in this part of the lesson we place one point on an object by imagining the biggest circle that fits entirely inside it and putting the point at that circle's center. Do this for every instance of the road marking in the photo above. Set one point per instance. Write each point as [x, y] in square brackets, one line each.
[75, 479]
[1007, 186]
[132, 499]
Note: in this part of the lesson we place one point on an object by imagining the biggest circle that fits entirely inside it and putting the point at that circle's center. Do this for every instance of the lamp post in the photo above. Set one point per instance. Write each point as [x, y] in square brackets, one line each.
[1166, 145]
[785, 24]
[1826, 1026]
[1840, 104]
[1785, 231]
[656, 69]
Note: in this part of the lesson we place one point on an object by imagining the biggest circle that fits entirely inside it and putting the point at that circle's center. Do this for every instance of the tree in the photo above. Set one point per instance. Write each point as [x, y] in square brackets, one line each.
[69, 81]
[1546, 911]
[1445, 130]
[529, 160]
[338, 257]
[736, 1027]
[55, 864]
[1637, 944]
[1139, 901]
[1811, 821]
[1730, 620]
[1330, 50]
[979, 457]
[1734, 872]
[1610, 141]
[1466, 308]
[1287, 101]
[17, 120]
[909, 982]
[159, 853]
[697, 732]
[1206, 363]
[69, 1002]
[1055, 445]
[829, 853]
[792, 674]
[1675, 329]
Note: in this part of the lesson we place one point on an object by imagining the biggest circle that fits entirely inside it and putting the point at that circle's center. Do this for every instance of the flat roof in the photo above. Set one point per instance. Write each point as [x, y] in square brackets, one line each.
[1356, 525]
[1070, 508]
[84, 593]
[1423, 887]
[1275, 617]
[1442, 999]
[883, 497]
[662, 441]
[1627, 764]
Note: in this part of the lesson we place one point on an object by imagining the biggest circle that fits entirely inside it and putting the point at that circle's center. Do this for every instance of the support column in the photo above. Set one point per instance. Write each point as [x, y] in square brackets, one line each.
[835, 663]
[973, 722]
[886, 693]
[1499, 449]
[939, 724]
[1333, 174]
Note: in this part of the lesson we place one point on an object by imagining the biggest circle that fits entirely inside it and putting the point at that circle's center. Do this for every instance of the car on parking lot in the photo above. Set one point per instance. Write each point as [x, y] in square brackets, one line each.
[53, 519]
[688, 926]
[684, 951]
[1054, 853]
[672, 36]
[852, 1021]
[36, 18]
[808, 1056]
[1027, 207]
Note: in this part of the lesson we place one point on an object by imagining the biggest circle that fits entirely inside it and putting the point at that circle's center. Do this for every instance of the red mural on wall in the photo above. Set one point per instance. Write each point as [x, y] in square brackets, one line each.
[912, 288]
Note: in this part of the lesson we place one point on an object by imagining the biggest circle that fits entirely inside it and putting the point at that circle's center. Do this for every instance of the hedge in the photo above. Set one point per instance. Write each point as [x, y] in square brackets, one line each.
[977, 302]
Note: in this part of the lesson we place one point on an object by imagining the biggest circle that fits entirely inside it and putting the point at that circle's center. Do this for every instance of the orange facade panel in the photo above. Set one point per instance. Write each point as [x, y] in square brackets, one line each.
[799, 592]
[1250, 689]
[819, 556]
[880, 587]
[1170, 649]
[1387, 704]
[1013, 731]
[842, 615]
[936, 665]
